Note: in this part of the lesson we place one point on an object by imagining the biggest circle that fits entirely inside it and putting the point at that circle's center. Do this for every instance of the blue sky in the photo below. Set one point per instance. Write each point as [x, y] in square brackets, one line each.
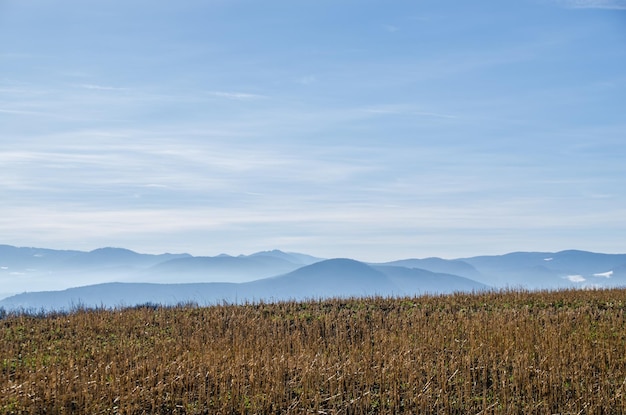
[374, 130]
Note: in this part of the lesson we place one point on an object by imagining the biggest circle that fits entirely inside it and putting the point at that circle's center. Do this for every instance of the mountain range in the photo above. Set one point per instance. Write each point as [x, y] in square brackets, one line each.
[45, 279]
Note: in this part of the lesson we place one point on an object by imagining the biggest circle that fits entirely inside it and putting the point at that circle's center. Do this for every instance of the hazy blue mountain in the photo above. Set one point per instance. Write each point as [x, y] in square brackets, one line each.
[93, 278]
[416, 281]
[6, 294]
[548, 270]
[219, 268]
[19, 259]
[329, 278]
[24, 268]
[586, 262]
[569, 268]
[439, 265]
[620, 271]
[111, 295]
[104, 258]
[294, 257]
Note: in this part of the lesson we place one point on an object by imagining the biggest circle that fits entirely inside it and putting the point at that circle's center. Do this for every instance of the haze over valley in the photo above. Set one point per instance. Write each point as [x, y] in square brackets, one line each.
[113, 277]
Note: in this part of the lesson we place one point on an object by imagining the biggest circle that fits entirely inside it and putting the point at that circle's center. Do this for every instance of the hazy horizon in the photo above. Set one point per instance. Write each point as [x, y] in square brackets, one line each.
[115, 276]
[370, 130]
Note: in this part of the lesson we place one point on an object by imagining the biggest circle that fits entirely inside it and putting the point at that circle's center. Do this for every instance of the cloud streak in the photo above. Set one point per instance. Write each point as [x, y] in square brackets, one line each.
[213, 135]
[239, 96]
[310, 218]
[101, 87]
[594, 4]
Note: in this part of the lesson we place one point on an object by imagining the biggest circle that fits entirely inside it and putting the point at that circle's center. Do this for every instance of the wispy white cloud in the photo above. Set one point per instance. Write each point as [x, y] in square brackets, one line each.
[391, 28]
[240, 96]
[101, 87]
[594, 4]
[468, 142]
[575, 278]
[22, 112]
[16, 56]
[319, 226]
[408, 110]
[306, 80]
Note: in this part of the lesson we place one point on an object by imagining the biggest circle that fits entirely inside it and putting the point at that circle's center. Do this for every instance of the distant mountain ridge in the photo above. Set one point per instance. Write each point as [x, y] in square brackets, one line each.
[115, 276]
[328, 278]
[219, 268]
[550, 269]
[21, 269]
[454, 266]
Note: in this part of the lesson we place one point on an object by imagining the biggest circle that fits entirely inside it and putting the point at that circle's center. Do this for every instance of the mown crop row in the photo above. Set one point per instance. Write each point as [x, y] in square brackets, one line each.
[512, 352]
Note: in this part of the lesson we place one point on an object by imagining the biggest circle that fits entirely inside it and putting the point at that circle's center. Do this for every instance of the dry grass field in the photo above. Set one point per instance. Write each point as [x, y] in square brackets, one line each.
[512, 352]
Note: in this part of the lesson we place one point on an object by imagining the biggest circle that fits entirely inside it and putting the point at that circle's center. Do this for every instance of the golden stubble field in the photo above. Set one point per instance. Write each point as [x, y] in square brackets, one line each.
[510, 352]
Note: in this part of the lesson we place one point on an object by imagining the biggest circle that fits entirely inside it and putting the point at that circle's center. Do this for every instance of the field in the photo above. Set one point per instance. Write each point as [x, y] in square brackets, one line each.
[511, 352]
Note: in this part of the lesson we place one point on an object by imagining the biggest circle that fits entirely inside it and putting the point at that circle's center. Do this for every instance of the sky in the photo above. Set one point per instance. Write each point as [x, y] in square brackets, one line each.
[375, 130]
